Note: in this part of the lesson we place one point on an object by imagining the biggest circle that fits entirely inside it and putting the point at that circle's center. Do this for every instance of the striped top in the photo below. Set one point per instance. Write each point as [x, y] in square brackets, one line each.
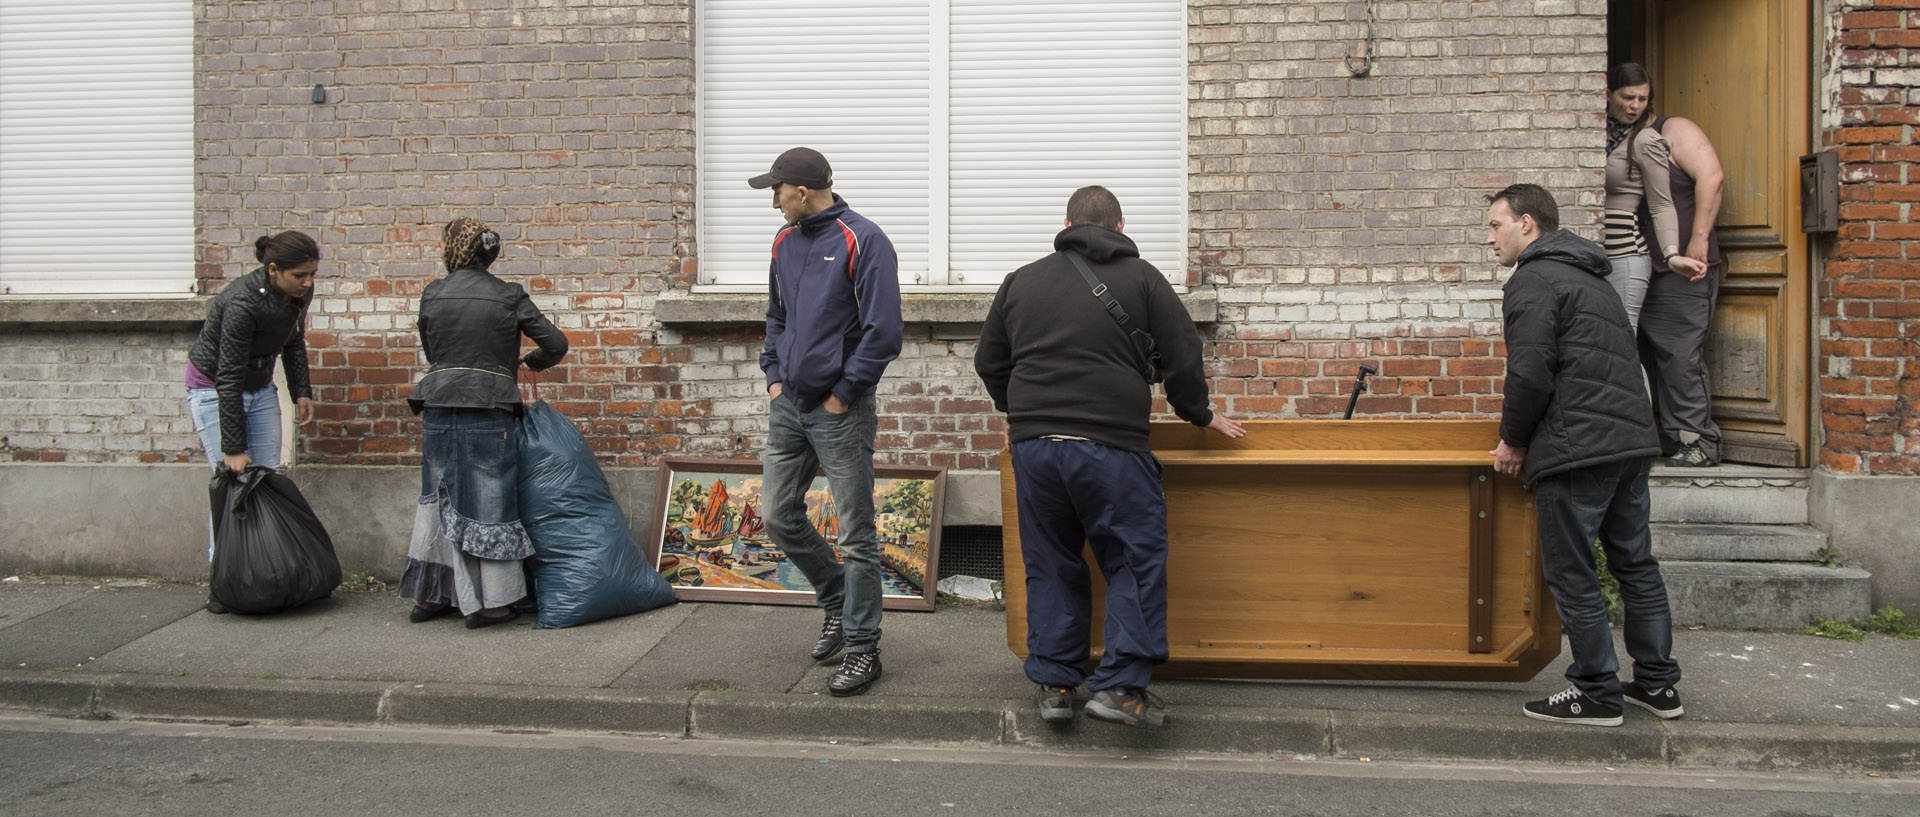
[1645, 175]
[1622, 236]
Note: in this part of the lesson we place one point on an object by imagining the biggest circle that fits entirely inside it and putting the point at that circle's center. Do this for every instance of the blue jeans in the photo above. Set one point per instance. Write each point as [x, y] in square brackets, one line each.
[263, 423]
[798, 443]
[473, 456]
[468, 541]
[1070, 493]
[263, 430]
[1609, 502]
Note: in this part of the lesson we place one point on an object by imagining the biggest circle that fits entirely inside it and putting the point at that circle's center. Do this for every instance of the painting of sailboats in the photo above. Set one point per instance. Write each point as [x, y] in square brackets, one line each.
[711, 540]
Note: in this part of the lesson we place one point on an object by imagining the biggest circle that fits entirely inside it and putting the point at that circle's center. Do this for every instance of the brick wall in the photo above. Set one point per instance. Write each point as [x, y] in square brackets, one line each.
[91, 397]
[568, 127]
[1870, 287]
[1341, 215]
[1337, 217]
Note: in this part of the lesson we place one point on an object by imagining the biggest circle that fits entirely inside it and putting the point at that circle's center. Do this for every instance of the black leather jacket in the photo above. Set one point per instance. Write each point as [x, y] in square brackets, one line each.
[247, 325]
[1574, 397]
[470, 328]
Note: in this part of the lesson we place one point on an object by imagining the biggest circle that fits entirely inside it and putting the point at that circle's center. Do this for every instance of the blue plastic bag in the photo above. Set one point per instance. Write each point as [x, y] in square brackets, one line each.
[586, 564]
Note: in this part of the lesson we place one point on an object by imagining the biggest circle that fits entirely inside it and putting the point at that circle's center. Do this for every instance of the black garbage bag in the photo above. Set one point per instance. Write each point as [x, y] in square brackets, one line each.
[270, 551]
[586, 565]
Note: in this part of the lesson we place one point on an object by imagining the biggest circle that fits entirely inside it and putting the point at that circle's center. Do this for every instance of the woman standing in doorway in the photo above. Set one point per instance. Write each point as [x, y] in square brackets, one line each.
[1639, 161]
[230, 393]
[467, 540]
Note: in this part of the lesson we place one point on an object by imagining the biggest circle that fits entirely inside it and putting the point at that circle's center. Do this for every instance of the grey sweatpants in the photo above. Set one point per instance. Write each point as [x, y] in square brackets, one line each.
[1673, 337]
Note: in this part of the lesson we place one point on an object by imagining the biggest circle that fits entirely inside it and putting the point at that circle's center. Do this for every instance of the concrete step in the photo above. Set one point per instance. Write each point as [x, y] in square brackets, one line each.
[1730, 494]
[1763, 595]
[1712, 542]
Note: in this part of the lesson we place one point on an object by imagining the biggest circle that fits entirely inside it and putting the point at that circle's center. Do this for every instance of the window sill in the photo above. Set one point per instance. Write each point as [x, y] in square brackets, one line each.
[682, 308]
[29, 315]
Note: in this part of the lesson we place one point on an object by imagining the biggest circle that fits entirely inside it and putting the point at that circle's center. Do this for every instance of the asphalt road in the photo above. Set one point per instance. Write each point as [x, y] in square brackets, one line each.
[51, 767]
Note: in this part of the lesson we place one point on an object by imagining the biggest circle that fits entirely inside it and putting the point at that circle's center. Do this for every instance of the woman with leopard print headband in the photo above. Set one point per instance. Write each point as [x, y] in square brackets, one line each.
[468, 542]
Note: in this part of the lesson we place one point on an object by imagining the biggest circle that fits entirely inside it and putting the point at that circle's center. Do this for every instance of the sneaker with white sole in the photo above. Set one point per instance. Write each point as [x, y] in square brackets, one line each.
[1691, 455]
[1661, 701]
[1572, 707]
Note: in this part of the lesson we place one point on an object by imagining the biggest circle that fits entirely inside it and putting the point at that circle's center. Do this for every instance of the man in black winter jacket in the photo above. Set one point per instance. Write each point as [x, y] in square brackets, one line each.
[1576, 425]
[1072, 383]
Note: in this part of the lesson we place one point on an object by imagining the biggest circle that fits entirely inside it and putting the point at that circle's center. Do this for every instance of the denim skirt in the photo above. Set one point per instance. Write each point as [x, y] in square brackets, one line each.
[467, 538]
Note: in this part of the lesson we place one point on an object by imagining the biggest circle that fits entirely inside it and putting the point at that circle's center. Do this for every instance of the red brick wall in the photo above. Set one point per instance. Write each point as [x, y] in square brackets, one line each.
[1440, 377]
[1869, 355]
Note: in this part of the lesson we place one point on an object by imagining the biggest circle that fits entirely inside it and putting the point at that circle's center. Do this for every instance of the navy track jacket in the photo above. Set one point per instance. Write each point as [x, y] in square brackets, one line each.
[833, 307]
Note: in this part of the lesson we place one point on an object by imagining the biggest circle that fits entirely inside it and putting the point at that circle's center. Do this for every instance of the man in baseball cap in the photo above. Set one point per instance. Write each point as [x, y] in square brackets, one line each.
[800, 167]
[833, 325]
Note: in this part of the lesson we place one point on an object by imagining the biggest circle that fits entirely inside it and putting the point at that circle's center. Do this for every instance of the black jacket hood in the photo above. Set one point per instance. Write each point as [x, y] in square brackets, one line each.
[1099, 244]
[1574, 396]
[1569, 249]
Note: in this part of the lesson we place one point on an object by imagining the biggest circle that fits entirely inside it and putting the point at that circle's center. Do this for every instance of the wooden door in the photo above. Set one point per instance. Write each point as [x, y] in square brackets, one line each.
[1740, 69]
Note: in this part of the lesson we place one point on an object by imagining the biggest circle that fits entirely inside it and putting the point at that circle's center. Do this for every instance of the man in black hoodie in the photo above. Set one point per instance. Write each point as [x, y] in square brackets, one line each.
[1074, 386]
[1575, 424]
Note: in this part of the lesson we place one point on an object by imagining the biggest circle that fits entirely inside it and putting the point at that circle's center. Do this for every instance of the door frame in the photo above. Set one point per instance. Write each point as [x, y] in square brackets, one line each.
[1634, 33]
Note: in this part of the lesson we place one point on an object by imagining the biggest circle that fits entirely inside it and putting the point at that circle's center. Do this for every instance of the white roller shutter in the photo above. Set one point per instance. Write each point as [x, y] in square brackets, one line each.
[1051, 97]
[96, 148]
[959, 126]
[848, 78]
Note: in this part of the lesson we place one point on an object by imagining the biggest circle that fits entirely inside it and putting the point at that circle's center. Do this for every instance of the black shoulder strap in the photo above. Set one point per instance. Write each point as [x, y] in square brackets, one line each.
[1140, 341]
[1113, 307]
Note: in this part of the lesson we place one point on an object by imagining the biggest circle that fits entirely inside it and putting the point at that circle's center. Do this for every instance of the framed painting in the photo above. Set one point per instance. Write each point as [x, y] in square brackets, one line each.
[710, 539]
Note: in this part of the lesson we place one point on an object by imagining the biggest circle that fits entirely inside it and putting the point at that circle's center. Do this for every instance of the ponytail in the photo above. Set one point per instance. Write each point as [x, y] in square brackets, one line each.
[285, 250]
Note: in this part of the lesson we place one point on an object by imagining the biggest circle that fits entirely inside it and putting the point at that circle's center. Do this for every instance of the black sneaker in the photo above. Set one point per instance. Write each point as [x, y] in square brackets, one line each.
[831, 636]
[1661, 701]
[1128, 707]
[1690, 456]
[1572, 707]
[217, 608]
[858, 670]
[1056, 703]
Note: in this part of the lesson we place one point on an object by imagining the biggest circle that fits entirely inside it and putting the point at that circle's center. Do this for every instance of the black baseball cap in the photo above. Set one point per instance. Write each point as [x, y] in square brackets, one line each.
[800, 167]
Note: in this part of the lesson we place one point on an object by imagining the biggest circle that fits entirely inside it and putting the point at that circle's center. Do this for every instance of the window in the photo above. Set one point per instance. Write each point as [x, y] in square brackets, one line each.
[96, 148]
[959, 126]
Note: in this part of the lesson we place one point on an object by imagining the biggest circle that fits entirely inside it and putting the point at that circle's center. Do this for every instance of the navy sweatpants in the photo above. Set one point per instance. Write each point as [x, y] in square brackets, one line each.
[1072, 492]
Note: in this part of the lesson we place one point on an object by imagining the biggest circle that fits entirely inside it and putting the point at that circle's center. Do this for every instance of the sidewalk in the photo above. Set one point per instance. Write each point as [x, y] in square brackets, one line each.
[132, 650]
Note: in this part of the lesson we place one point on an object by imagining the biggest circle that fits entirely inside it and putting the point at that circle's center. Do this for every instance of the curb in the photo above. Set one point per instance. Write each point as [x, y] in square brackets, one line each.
[877, 719]
[535, 708]
[862, 719]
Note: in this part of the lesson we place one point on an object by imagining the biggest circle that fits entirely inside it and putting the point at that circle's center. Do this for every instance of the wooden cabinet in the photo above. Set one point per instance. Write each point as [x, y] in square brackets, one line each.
[1337, 549]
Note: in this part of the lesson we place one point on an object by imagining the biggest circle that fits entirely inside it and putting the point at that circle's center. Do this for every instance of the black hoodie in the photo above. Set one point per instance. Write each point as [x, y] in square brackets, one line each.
[1574, 396]
[1055, 361]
